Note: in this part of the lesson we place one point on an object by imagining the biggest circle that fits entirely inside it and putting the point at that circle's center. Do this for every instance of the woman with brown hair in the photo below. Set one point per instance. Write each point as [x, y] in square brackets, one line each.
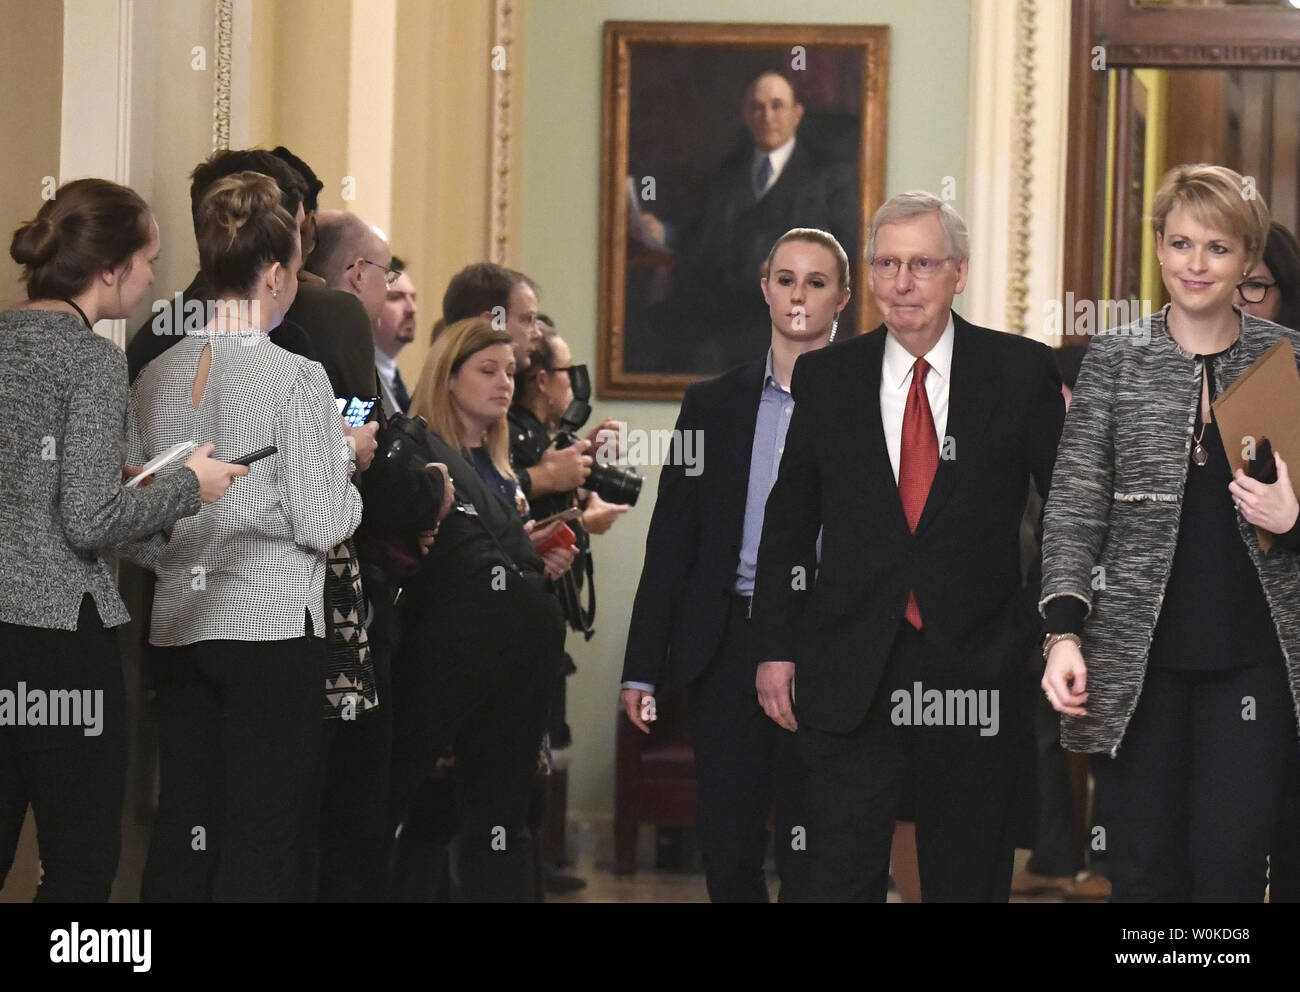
[483, 637]
[87, 256]
[238, 607]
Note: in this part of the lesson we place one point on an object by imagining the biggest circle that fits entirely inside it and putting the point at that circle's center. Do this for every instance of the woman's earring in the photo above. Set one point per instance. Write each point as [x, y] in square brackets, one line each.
[835, 326]
[275, 293]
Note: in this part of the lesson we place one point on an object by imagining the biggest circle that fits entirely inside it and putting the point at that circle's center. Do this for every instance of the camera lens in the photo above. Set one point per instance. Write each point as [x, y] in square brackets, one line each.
[614, 484]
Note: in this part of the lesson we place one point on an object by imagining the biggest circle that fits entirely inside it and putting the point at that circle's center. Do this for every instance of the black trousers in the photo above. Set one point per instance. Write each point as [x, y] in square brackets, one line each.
[1056, 851]
[959, 785]
[239, 733]
[478, 671]
[1192, 796]
[74, 781]
[746, 766]
[1284, 855]
[345, 840]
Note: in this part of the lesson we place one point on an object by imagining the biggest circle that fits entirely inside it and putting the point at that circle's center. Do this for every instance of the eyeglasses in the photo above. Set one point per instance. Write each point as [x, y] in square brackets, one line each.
[920, 267]
[1254, 290]
[391, 275]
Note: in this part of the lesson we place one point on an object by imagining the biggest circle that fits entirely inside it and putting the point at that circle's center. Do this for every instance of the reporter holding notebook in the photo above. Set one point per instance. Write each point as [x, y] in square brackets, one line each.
[87, 256]
[1173, 640]
[238, 607]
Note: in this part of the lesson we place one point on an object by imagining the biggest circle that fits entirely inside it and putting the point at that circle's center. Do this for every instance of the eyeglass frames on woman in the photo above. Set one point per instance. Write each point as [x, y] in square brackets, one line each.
[921, 267]
[1254, 290]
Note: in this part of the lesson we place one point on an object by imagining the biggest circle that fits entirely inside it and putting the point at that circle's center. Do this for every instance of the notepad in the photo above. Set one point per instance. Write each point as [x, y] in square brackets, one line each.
[176, 451]
[1263, 403]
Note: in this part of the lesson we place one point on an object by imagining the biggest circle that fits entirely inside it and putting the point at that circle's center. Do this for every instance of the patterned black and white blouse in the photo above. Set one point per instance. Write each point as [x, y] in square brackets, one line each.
[251, 565]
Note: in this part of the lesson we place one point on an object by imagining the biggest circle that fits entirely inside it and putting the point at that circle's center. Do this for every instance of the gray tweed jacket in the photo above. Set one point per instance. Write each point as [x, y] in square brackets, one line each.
[1111, 522]
[63, 399]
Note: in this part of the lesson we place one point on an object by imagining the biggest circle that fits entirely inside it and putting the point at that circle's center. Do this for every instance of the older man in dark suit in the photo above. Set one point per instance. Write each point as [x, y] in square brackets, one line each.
[910, 450]
[713, 319]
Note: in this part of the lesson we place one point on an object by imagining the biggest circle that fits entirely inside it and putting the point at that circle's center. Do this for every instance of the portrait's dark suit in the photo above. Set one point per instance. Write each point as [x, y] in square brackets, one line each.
[715, 317]
[689, 630]
[846, 634]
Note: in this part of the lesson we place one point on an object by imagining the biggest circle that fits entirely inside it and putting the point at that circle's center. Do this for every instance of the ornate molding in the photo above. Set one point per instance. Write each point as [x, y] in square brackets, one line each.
[221, 75]
[1022, 161]
[1263, 56]
[503, 30]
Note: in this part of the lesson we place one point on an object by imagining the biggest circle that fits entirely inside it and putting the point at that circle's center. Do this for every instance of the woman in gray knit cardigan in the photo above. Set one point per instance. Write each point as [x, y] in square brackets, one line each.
[1153, 572]
[87, 256]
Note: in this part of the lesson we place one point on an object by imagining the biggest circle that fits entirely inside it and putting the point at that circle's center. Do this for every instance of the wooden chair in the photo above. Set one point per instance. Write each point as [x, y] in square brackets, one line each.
[654, 778]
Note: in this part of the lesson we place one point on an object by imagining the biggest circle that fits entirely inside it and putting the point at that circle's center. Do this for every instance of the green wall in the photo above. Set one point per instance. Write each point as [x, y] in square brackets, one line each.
[561, 93]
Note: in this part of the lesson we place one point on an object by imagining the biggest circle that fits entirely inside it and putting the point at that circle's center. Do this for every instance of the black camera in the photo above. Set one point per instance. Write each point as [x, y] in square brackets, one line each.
[609, 482]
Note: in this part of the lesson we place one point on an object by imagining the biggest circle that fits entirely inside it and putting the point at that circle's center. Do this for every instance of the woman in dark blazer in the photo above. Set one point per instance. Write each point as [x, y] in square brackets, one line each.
[87, 256]
[483, 635]
[1153, 572]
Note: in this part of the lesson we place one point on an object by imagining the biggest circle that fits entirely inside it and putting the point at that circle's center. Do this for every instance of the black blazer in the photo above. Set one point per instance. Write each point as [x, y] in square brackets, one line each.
[1005, 413]
[340, 331]
[693, 546]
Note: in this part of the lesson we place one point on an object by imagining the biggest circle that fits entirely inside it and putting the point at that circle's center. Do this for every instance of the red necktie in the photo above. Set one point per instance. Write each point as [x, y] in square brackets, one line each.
[918, 458]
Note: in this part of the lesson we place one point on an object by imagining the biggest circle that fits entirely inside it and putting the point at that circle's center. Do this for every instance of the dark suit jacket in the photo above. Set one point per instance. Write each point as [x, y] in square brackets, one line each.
[693, 546]
[340, 331]
[714, 317]
[1005, 414]
[736, 232]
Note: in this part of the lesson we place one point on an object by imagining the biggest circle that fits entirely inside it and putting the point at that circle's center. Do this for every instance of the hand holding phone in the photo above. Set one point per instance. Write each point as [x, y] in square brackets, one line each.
[255, 456]
[1263, 467]
[572, 513]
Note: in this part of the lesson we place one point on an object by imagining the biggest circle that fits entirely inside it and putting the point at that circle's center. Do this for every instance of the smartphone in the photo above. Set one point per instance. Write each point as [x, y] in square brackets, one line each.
[356, 411]
[1263, 467]
[572, 513]
[257, 455]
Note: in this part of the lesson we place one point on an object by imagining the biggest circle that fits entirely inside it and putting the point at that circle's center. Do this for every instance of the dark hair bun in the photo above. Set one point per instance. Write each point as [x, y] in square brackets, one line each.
[234, 201]
[35, 243]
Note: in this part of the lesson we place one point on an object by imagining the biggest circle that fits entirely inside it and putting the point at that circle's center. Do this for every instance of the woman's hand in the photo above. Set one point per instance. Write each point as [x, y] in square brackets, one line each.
[363, 442]
[1272, 506]
[558, 561]
[1066, 679]
[214, 476]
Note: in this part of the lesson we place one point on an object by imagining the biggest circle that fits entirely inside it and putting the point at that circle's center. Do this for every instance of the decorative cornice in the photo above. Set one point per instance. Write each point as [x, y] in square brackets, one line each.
[1022, 160]
[221, 76]
[1185, 55]
[503, 29]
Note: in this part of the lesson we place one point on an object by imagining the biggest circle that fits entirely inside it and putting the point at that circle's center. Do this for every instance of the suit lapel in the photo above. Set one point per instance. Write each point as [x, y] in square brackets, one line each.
[972, 394]
[874, 453]
[743, 420]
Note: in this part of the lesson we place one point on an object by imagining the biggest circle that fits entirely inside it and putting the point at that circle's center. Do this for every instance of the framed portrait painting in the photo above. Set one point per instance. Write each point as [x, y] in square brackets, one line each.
[718, 138]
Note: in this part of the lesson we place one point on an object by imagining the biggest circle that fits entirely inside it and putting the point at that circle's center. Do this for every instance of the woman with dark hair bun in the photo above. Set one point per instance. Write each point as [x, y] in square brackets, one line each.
[87, 256]
[238, 607]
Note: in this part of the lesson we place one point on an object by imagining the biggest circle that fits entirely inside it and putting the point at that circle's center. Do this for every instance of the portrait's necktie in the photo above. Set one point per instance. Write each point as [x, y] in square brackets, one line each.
[763, 176]
[918, 460]
[400, 394]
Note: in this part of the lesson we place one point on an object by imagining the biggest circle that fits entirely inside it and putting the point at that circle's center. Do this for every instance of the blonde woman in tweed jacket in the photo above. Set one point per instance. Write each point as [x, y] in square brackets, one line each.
[1173, 641]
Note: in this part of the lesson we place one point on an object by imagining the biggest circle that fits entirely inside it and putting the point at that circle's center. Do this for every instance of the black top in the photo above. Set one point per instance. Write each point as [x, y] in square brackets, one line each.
[1214, 616]
[471, 544]
[528, 443]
